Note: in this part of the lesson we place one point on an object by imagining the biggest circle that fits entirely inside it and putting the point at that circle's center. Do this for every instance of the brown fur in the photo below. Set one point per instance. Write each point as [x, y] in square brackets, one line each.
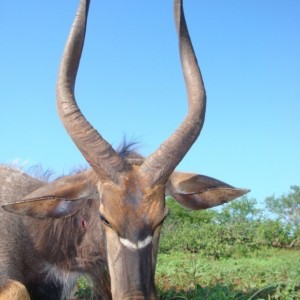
[55, 251]
[47, 247]
[14, 290]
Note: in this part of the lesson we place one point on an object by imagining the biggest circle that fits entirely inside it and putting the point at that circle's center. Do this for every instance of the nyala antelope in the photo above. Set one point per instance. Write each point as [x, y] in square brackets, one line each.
[103, 222]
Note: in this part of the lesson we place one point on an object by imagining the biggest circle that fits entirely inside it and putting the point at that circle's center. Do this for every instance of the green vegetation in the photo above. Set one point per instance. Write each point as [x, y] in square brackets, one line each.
[265, 274]
[237, 252]
[238, 229]
[84, 290]
[287, 208]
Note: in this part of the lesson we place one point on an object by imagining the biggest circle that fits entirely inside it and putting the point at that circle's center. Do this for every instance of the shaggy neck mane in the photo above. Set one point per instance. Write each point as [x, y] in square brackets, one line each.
[72, 246]
[68, 240]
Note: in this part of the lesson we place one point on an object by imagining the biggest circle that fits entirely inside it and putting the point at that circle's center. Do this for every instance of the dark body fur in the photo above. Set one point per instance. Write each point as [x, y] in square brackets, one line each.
[48, 255]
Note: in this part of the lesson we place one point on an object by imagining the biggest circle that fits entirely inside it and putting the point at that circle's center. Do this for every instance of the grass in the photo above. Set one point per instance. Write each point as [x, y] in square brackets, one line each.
[266, 274]
[271, 274]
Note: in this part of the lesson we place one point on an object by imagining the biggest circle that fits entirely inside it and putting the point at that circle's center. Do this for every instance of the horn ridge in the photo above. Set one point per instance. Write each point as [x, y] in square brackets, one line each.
[97, 151]
[160, 164]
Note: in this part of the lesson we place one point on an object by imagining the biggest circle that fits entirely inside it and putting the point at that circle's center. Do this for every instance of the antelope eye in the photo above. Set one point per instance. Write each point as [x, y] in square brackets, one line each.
[105, 221]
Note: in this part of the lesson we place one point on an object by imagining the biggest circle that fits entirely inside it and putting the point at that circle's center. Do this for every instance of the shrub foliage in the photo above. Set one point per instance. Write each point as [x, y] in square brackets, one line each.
[236, 230]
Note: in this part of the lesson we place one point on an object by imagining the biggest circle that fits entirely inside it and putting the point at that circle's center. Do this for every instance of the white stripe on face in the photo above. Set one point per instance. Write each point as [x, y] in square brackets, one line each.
[136, 246]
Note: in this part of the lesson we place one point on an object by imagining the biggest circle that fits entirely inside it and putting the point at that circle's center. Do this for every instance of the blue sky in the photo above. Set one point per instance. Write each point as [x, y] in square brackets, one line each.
[130, 82]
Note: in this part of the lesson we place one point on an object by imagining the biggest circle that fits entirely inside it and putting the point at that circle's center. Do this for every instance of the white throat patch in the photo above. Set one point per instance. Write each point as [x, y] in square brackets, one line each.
[136, 246]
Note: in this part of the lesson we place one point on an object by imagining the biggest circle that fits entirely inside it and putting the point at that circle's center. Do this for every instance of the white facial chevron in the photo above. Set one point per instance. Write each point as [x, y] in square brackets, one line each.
[136, 246]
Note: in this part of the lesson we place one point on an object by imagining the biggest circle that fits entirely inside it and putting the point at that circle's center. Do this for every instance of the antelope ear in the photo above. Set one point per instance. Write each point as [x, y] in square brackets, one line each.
[200, 192]
[61, 198]
[45, 207]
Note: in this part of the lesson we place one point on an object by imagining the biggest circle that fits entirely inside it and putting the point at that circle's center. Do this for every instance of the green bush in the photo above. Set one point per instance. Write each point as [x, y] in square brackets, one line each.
[84, 290]
[219, 234]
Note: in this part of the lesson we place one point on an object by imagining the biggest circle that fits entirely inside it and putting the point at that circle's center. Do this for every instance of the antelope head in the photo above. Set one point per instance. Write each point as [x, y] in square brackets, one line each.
[131, 193]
